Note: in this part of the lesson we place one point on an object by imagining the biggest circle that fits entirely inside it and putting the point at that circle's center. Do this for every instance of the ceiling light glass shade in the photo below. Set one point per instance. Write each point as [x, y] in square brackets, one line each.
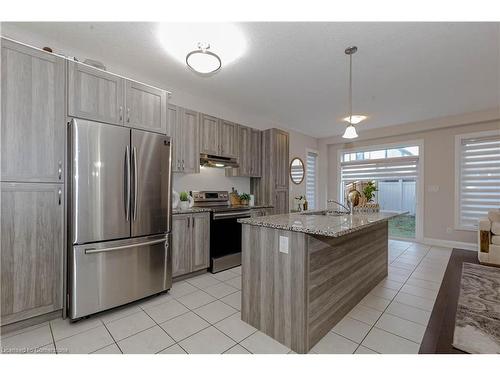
[179, 39]
[203, 61]
[355, 119]
[350, 132]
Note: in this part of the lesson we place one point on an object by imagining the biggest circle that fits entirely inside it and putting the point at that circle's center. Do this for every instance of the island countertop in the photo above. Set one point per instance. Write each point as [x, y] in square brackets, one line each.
[322, 225]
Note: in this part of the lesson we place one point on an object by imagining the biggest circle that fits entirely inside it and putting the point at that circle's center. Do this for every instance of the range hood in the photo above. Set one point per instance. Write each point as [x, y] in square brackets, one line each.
[214, 161]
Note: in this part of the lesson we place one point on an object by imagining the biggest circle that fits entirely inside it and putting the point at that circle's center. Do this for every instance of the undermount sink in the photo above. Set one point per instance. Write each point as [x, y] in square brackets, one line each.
[327, 213]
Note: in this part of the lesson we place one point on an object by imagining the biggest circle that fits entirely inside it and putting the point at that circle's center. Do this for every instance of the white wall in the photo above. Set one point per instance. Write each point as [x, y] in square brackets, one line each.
[210, 179]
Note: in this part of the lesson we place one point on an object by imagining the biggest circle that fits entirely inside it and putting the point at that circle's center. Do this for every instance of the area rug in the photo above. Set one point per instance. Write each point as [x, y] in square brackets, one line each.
[477, 323]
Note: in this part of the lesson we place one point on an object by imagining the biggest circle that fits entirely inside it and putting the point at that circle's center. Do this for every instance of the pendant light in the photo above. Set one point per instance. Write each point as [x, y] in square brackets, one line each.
[350, 131]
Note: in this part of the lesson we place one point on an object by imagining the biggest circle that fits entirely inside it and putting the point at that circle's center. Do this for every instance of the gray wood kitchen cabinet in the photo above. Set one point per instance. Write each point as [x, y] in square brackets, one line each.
[209, 135]
[249, 154]
[94, 94]
[281, 167]
[185, 137]
[181, 244]
[228, 139]
[145, 107]
[255, 153]
[201, 241]
[190, 242]
[32, 120]
[32, 250]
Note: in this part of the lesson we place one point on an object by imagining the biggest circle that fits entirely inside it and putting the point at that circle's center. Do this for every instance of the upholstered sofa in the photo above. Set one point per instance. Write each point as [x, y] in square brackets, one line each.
[489, 239]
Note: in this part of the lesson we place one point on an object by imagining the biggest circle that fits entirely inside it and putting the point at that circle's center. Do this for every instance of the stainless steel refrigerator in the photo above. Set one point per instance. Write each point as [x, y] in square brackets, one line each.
[119, 216]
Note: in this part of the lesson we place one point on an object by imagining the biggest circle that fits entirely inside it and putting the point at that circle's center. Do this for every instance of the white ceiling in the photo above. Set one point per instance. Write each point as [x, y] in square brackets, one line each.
[295, 74]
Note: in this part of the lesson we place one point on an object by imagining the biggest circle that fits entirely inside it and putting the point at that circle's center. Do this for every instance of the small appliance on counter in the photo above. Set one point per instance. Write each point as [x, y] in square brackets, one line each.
[225, 231]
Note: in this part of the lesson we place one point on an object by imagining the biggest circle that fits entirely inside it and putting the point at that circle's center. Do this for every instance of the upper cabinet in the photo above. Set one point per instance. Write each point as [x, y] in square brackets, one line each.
[249, 153]
[256, 154]
[145, 107]
[94, 94]
[218, 137]
[209, 131]
[185, 139]
[32, 120]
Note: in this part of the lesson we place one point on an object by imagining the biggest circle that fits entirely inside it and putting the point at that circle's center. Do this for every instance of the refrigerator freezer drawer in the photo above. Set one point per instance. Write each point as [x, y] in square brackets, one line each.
[110, 274]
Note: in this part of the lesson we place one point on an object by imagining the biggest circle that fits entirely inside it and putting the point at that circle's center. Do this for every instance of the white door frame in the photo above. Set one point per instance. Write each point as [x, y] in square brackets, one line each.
[419, 224]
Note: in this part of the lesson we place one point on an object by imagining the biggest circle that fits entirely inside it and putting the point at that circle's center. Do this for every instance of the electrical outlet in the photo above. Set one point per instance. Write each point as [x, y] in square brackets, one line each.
[283, 244]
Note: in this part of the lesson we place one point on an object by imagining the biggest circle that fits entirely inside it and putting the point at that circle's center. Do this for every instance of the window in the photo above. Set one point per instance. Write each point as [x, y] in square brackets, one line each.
[477, 182]
[311, 178]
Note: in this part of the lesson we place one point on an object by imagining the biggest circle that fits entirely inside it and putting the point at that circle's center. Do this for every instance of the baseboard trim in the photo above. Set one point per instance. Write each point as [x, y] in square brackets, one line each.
[452, 244]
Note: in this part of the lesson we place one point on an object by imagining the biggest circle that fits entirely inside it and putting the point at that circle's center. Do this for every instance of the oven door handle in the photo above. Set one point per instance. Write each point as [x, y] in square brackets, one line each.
[231, 215]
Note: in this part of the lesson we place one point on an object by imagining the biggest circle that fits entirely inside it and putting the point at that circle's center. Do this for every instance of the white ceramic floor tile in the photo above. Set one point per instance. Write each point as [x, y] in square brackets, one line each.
[352, 329]
[334, 344]
[184, 325]
[27, 340]
[398, 278]
[62, 328]
[47, 349]
[235, 328]
[375, 302]
[401, 327]
[155, 301]
[208, 341]
[181, 288]
[225, 275]
[215, 311]
[418, 302]
[399, 271]
[196, 299]
[365, 314]
[149, 341]
[389, 284]
[382, 292]
[364, 350]
[110, 349]
[174, 349]
[4, 335]
[237, 349]
[427, 276]
[118, 313]
[236, 270]
[233, 300]
[423, 283]
[220, 290]
[203, 281]
[420, 292]
[409, 313]
[129, 325]
[260, 343]
[236, 282]
[85, 342]
[403, 265]
[165, 311]
[387, 343]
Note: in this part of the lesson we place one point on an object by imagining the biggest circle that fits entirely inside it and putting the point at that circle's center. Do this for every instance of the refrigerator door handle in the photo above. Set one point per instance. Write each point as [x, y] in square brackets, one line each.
[134, 157]
[114, 248]
[127, 183]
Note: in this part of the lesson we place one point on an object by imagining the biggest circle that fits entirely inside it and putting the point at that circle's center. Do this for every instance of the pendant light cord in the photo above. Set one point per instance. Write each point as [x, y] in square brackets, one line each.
[350, 89]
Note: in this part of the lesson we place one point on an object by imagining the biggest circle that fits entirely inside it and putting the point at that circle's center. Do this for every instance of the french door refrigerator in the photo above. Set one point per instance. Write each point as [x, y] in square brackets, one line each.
[119, 216]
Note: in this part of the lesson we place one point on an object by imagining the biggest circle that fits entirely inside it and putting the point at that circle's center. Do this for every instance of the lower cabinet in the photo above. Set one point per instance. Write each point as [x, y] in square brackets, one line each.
[32, 240]
[190, 242]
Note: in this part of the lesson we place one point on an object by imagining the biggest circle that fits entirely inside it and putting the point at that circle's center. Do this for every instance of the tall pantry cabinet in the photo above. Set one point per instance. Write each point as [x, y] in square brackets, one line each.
[32, 182]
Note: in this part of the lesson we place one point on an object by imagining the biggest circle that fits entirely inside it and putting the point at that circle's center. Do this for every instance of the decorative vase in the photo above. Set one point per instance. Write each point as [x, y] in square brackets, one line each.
[243, 202]
[184, 205]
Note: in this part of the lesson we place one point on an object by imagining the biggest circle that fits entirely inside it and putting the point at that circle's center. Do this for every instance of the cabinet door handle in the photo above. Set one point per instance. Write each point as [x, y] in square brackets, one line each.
[192, 220]
[128, 114]
[121, 113]
[59, 170]
[59, 196]
[189, 222]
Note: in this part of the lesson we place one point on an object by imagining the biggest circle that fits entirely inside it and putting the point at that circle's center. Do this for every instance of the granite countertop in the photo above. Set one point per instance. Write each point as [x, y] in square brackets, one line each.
[192, 210]
[323, 225]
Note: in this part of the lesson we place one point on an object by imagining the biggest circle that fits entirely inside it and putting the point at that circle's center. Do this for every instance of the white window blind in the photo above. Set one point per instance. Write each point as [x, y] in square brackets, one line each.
[478, 179]
[311, 179]
[380, 169]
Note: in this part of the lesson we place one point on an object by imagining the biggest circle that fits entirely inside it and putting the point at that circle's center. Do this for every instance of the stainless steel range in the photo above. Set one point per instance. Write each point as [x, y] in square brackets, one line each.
[225, 231]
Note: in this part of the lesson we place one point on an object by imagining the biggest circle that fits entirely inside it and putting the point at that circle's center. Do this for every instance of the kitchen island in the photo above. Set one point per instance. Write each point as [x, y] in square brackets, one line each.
[303, 272]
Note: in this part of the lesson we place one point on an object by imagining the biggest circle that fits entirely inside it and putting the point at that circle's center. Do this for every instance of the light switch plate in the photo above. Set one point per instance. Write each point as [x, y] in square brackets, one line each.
[284, 244]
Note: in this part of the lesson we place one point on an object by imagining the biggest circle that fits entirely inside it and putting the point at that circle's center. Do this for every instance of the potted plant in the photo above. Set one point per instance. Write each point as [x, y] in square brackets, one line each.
[244, 198]
[369, 190]
[184, 200]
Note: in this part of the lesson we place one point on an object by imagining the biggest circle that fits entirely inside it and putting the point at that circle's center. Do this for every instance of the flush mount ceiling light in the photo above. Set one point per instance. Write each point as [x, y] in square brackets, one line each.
[350, 131]
[355, 119]
[224, 40]
[202, 60]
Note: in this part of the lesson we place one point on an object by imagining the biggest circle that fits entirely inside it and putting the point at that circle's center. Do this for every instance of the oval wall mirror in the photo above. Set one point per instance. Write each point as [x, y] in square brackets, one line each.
[297, 170]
